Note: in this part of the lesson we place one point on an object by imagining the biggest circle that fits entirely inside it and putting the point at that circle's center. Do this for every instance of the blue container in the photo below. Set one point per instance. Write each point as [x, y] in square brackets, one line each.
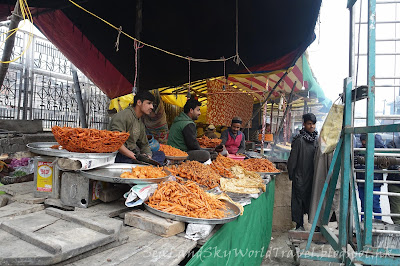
[154, 144]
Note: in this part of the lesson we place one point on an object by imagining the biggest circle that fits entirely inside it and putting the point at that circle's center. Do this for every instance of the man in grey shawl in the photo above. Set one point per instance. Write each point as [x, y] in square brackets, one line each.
[301, 169]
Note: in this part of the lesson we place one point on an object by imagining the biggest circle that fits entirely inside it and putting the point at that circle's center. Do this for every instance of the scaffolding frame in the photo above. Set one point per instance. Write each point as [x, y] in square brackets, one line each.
[363, 251]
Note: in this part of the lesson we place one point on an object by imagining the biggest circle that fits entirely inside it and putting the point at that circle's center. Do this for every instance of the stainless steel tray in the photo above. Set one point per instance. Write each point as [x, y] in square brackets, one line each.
[43, 148]
[112, 172]
[176, 158]
[265, 174]
[231, 214]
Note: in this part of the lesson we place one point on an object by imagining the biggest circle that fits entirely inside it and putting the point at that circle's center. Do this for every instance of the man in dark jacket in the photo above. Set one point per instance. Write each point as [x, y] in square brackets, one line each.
[183, 133]
[301, 169]
[377, 176]
[393, 200]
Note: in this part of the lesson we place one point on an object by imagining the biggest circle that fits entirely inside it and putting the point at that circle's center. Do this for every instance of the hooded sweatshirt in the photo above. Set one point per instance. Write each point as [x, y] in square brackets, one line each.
[182, 134]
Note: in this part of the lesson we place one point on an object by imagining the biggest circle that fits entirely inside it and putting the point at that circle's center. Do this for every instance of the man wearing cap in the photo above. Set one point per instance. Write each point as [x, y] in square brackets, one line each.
[301, 169]
[210, 132]
[233, 139]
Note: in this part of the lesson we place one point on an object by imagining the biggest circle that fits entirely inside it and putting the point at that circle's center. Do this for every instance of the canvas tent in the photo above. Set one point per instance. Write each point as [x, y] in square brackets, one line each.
[270, 33]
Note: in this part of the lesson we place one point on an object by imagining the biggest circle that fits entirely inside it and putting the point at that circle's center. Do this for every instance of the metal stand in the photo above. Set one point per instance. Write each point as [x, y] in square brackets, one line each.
[362, 250]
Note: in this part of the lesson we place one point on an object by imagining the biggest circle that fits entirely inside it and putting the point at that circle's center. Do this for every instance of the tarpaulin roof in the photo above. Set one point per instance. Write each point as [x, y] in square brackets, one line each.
[254, 84]
[271, 35]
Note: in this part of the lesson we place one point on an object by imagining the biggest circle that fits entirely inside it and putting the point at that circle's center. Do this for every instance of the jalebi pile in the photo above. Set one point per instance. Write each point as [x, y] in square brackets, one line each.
[89, 139]
[171, 151]
[206, 142]
[186, 199]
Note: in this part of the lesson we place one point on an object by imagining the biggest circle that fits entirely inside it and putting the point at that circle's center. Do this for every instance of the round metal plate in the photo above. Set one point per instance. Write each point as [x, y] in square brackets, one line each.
[111, 173]
[231, 214]
[176, 158]
[266, 174]
[44, 148]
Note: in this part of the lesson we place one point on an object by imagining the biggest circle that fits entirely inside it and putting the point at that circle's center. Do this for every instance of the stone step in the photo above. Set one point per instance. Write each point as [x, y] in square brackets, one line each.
[154, 224]
[51, 236]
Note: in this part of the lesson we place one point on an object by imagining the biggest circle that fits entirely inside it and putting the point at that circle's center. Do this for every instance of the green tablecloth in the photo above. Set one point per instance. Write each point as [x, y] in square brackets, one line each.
[244, 241]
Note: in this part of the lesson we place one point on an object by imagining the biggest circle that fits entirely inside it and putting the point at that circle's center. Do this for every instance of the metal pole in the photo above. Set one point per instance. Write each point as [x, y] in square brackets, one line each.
[138, 31]
[78, 93]
[26, 83]
[369, 175]
[286, 110]
[9, 44]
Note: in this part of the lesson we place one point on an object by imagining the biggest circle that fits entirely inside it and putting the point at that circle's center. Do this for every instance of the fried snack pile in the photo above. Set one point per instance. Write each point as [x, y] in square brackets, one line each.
[198, 172]
[221, 167]
[89, 139]
[206, 142]
[187, 200]
[144, 172]
[225, 161]
[258, 165]
[247, 182]
[223, 164]
[171, 151]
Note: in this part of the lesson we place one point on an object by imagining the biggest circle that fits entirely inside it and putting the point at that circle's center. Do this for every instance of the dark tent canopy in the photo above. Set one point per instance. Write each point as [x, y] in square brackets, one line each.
[271, 36]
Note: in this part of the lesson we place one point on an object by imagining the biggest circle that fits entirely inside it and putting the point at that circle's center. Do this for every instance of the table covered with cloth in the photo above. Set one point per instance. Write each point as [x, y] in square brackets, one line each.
[243, 241]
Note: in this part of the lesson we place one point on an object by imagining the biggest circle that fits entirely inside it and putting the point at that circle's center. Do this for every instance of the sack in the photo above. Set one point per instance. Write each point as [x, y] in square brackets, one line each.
[330, 132]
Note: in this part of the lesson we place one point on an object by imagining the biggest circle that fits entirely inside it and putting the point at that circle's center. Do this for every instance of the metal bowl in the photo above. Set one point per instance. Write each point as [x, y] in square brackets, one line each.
[112, 174]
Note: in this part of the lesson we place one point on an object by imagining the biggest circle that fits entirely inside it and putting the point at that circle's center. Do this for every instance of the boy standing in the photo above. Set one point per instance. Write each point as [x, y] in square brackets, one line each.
[301, 169]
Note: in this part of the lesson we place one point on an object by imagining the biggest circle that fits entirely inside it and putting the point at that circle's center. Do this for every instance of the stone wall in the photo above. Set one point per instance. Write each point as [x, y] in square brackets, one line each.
[16, 142]
[282, 220]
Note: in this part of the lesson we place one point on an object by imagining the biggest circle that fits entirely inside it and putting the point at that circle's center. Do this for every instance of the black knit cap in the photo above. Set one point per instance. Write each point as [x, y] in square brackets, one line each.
[309, 117]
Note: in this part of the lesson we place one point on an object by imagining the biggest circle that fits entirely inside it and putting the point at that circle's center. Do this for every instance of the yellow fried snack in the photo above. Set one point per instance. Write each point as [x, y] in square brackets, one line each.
[145, 172]
[171, 151]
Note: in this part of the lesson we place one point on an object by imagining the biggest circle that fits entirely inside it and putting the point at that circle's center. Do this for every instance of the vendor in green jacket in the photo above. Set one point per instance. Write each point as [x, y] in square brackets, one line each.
[182, 134]
[130, 120]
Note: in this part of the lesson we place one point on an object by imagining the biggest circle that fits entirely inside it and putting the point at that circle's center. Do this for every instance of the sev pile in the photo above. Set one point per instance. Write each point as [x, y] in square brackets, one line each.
[187, 200]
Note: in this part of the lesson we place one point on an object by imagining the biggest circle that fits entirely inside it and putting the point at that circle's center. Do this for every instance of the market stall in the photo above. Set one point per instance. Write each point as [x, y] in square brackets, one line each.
[187, 192]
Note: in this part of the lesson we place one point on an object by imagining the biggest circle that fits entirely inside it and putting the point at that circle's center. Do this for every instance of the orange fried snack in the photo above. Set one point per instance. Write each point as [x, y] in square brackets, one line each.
[56, 147]
[219, 167]
[225, 161]
[173, 169]
[187, 200]
[171, 151]
[206, 142]
[145, 172]
[200, 173]
[89, 139]
[258, 165]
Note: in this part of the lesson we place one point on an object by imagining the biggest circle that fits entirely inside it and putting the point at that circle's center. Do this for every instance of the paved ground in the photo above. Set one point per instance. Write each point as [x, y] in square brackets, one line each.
[280, 254]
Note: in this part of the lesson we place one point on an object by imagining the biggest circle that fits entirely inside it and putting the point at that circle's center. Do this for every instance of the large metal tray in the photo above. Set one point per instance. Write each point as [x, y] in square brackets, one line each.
[176, 158]
[231, 214]
[43, 148]
[111, 174]
[266, 174]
